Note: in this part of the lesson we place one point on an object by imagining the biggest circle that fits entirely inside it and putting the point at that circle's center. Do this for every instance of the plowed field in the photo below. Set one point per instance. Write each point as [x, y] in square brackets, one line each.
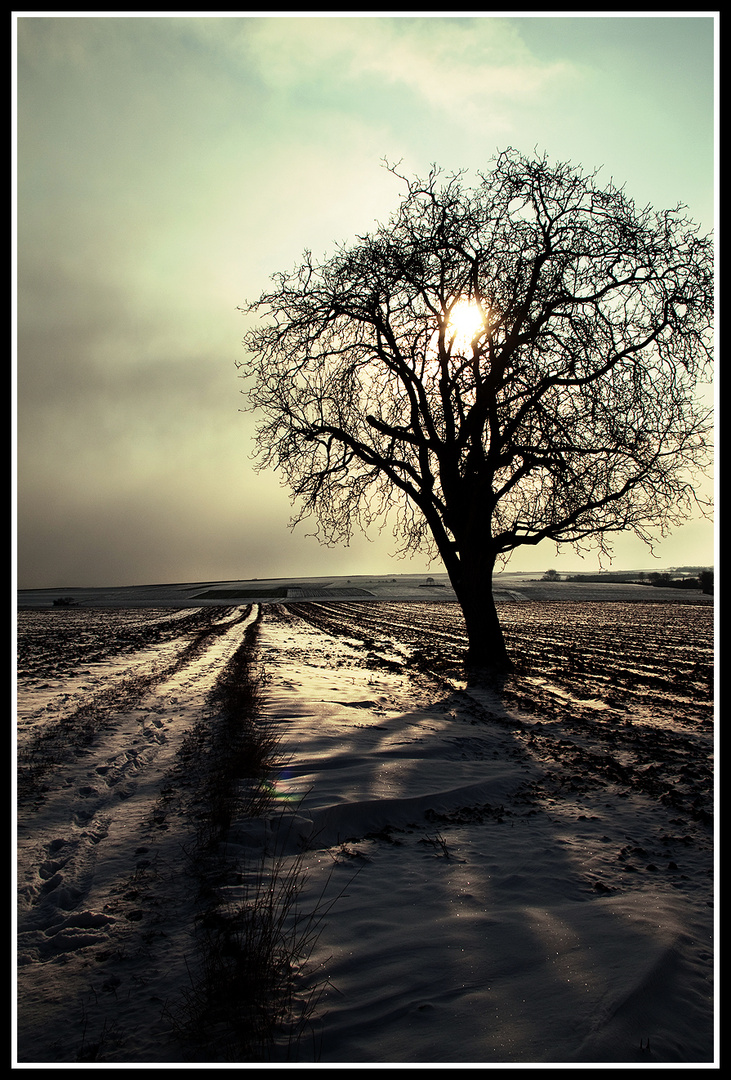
[572, 803]
[613, 693]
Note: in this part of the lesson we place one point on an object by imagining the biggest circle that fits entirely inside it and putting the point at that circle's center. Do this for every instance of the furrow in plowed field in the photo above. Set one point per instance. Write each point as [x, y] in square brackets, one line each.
[616, 694]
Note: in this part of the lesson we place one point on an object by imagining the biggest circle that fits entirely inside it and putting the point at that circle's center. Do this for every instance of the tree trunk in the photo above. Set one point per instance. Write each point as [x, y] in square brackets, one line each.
[486, 651]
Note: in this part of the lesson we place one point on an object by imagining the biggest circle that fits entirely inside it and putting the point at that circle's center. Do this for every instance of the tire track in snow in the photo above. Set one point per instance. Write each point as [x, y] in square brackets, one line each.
[79, 847]
[73, 731]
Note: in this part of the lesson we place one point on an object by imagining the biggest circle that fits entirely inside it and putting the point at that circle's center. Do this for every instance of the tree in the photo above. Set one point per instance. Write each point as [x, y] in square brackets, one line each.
[492, 368]
[705, 581]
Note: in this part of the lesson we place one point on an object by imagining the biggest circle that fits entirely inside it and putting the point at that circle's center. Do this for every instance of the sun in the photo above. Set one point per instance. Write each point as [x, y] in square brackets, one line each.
[466, 322]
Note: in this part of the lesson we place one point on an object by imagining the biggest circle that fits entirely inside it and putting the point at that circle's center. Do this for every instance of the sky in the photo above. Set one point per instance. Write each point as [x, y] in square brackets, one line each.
[166, 167]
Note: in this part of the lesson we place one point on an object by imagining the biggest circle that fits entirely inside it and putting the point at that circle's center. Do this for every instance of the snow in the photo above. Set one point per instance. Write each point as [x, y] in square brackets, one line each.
[475, 910]
[98, 860]
[496, 947]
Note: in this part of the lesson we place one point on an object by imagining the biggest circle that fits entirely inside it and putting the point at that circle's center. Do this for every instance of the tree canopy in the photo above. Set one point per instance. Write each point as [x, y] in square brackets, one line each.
[493, 367]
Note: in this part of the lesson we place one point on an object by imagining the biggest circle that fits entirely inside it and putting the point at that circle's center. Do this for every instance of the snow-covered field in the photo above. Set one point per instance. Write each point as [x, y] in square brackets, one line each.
[515, 877]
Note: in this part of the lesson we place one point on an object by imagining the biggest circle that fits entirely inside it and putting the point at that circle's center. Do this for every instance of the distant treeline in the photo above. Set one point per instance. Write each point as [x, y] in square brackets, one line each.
[701, 578]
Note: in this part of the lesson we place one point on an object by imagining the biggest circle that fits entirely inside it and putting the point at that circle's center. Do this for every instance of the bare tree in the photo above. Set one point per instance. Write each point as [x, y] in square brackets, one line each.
[494, 367]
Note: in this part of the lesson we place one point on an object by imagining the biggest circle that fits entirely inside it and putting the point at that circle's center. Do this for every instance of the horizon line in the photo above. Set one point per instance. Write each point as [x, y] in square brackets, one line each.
[320, 577]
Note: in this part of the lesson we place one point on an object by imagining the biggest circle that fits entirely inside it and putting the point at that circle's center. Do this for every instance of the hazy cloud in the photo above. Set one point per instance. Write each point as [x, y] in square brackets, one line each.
[454, 64]
[166, 167]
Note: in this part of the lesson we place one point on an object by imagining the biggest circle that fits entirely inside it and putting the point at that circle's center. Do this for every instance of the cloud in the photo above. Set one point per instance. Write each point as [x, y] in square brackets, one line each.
[168, 166]
[455, 65]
